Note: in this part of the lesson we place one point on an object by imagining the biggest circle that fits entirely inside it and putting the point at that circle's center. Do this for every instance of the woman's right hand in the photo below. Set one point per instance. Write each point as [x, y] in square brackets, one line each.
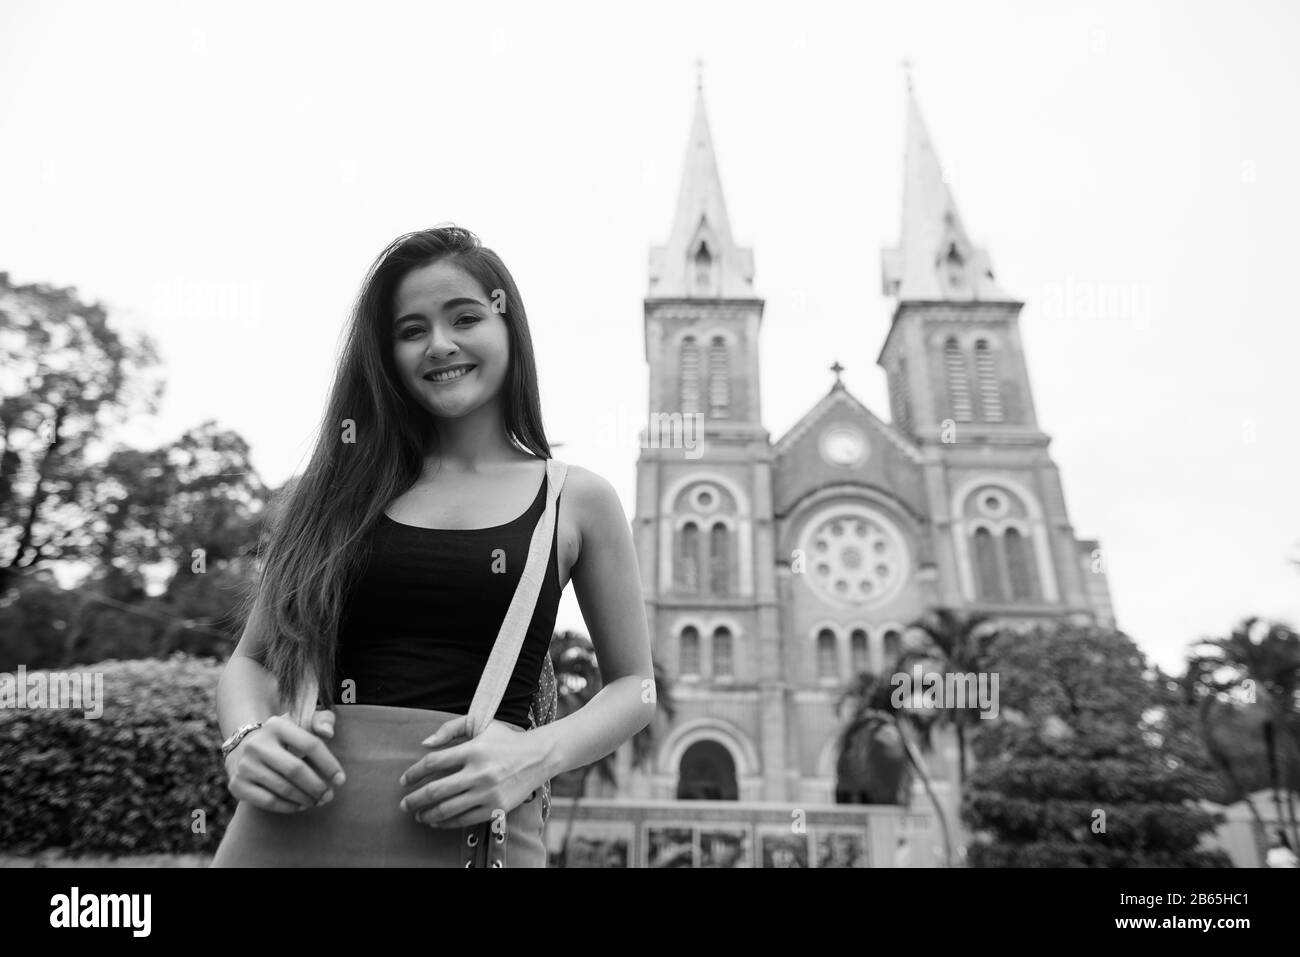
[282, 767]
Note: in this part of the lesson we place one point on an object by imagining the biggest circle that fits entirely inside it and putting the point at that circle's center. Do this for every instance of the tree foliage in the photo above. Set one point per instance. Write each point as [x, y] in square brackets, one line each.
[1094, 763]
[66, 376]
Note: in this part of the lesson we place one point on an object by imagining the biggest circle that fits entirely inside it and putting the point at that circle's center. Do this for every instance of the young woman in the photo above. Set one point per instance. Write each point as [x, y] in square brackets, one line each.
[400, 570]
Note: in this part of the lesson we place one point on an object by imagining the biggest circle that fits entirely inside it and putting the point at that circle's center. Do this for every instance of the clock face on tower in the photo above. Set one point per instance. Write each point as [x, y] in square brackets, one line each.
[844, 445]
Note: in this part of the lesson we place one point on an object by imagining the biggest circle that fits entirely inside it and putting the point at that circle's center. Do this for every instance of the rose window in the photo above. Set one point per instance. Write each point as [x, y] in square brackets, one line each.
[855, 558]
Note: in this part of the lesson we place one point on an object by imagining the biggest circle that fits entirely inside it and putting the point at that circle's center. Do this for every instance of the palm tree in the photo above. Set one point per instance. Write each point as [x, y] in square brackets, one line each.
[876, 758]
[959, 644]
[1202, 686]
[1268, 656]
[577, 678]
[871, 766]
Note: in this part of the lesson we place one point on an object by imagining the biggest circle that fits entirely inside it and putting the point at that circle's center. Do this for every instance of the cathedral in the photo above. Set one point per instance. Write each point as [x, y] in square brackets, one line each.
[774, 570]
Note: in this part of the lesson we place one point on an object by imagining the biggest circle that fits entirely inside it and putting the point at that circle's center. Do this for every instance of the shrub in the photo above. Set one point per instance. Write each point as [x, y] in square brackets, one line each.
[129, 782]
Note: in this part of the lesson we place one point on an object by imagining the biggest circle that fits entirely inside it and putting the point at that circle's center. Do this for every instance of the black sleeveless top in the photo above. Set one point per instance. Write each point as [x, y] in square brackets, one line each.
[420, 620]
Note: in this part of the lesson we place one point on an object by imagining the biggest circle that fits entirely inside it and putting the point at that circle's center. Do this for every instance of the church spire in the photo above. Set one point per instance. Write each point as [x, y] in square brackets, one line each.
[701, 259]
[935, 258]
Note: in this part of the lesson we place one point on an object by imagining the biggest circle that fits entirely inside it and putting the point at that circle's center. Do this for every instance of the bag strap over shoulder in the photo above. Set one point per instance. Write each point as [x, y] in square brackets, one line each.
[505, 651]
[510, 639]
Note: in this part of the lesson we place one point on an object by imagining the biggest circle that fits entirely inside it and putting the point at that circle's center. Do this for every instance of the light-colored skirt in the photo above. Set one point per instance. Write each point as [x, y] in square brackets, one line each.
[363, 826]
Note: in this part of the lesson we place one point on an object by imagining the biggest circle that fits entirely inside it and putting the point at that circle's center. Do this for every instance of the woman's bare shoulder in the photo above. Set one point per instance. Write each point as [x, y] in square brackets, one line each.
[595, 502]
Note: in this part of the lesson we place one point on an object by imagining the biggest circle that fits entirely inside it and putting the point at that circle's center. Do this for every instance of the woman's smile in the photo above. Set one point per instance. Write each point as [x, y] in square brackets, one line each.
[446, 378]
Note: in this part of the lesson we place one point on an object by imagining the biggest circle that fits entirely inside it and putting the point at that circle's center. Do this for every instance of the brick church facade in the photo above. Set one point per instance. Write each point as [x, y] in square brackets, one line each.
[773, 570]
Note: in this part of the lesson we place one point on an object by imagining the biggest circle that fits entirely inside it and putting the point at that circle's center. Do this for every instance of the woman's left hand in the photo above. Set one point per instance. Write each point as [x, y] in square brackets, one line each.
[467, 783]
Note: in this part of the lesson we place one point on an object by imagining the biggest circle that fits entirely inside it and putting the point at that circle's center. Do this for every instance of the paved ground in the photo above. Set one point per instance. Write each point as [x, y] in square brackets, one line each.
[57, 859]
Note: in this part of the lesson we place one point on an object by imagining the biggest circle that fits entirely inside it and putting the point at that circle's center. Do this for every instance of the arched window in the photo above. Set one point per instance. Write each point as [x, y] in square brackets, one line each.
[719, 560]
[722, 653]
[986, 566]
[688, 559]
[990, 389]
[719, 372]
[828, 659]
[893, 647]
[703, 269]
[858, 651]
[690, 375]
[690, 651]
[1020, 566]
[954, 361]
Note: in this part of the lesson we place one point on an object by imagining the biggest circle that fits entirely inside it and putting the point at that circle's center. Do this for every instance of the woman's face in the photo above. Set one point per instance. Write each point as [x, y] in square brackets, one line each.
[443, 319]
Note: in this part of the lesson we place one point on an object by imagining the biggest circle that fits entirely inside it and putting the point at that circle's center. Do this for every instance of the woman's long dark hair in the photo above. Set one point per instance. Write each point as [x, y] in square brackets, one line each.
[370, 449]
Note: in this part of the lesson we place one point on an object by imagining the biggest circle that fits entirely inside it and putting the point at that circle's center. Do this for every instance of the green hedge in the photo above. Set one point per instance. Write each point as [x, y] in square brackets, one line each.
[128, 782]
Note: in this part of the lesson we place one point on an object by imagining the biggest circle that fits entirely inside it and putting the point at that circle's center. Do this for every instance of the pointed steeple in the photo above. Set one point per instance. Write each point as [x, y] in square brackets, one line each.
[701, 259]
[935, 258]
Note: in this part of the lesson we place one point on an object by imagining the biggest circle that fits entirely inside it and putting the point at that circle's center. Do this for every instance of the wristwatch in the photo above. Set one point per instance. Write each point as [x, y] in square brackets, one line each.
[232, 742]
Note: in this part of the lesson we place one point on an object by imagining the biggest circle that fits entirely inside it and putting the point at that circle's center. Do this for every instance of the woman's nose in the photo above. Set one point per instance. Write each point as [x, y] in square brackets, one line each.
[440, 344]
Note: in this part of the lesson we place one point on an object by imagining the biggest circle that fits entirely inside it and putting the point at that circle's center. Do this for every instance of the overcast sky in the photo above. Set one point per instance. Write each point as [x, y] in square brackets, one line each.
[223, 175]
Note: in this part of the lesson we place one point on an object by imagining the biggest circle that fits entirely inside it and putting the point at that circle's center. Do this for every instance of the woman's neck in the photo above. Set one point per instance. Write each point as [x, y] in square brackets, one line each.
[471, 449]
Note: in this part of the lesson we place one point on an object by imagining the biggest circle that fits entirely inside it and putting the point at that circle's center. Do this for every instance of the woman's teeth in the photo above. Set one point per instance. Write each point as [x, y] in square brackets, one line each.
[448, 376]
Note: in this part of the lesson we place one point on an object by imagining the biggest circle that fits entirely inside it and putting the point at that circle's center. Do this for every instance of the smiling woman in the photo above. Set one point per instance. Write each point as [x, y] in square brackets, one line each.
[442, 311]
[410, 591]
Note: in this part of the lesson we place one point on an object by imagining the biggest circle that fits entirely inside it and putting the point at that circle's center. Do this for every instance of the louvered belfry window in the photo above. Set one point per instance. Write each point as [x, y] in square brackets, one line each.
[958, 385]
[719, 374]
[990, 389]
[690, 375]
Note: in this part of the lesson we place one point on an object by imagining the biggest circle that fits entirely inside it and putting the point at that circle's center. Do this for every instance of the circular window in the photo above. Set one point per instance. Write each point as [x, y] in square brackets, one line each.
[992, 502]
[860, 556]
[705, 499]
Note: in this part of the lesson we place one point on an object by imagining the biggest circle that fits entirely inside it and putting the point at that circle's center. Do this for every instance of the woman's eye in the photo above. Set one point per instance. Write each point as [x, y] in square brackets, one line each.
[412, 331]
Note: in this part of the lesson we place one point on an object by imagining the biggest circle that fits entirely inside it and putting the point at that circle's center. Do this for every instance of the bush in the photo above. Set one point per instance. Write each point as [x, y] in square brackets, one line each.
[129, 782]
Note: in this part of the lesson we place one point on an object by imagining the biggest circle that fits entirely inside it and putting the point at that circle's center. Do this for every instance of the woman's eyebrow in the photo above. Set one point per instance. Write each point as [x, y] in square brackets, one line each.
[449, 304]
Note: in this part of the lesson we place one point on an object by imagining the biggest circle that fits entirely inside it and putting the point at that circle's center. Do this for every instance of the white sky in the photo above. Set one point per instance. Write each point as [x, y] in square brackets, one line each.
[223, 176]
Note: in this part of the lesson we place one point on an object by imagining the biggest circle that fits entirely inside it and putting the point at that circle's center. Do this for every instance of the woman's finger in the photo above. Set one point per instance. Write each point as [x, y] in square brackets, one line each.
[258, 796]
[321, 766]
[269, 779]
[449, 731]
[296, 771]
[454, 812]
[322, 723]
[437, 764]
[442, 789]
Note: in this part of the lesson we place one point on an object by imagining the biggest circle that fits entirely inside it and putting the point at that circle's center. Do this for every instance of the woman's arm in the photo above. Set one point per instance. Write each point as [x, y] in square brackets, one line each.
[262, 769]
[608, 586]
[247, 691]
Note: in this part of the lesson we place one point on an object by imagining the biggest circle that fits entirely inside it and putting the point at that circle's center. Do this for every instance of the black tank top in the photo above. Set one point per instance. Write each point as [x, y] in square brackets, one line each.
[422, 617]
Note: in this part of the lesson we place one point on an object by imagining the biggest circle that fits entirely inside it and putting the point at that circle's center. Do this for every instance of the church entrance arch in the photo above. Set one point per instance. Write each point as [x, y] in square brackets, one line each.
[707, 773]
